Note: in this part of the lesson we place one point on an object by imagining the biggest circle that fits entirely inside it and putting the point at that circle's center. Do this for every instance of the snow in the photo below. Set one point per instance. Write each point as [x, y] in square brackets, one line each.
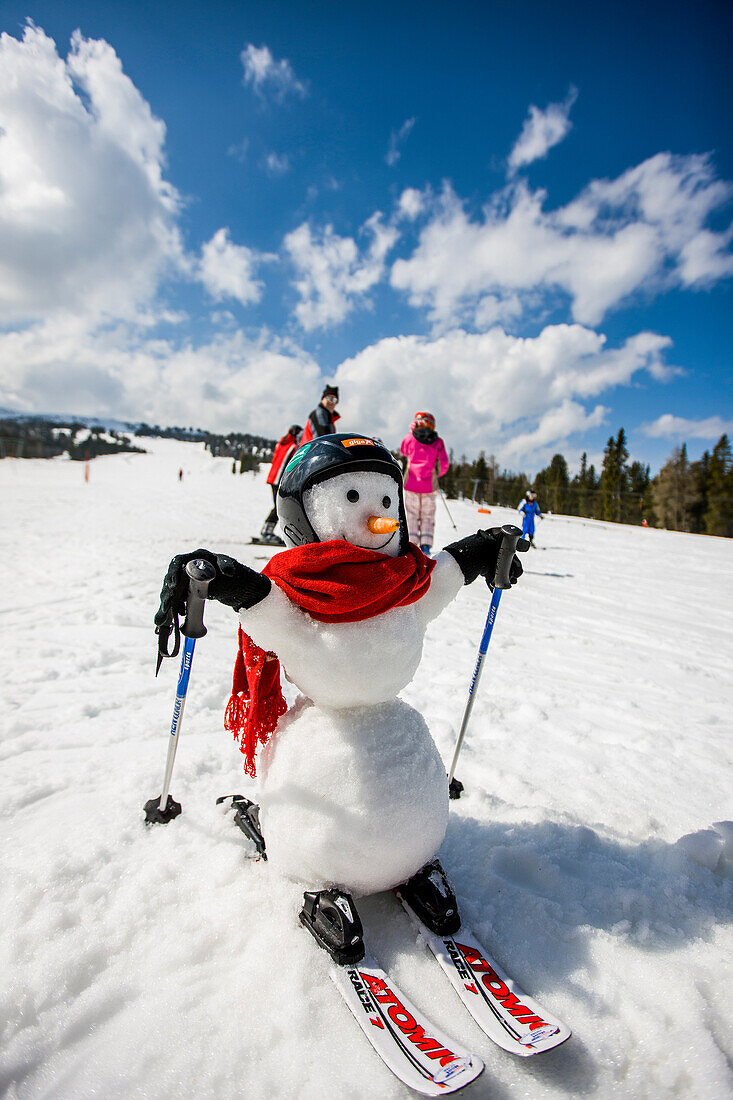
[151, 962]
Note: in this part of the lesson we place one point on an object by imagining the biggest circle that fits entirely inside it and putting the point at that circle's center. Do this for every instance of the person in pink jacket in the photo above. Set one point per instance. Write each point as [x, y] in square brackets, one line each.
[427, 460]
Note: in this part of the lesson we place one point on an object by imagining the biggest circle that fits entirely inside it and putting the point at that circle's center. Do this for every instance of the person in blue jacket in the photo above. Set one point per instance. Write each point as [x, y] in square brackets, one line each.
[530, 508]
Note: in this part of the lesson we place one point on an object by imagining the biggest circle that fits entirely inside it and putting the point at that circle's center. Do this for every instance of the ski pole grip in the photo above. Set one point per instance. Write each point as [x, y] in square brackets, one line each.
[200, 575]
[510, 536]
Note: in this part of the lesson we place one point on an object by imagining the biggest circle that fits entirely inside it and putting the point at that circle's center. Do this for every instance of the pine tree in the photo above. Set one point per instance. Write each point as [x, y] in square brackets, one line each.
[700, 475]
[479, 478]
[639, 499]
[553, 483]
[614, 477]
[674, 492]
[579, 489]
[719, 512]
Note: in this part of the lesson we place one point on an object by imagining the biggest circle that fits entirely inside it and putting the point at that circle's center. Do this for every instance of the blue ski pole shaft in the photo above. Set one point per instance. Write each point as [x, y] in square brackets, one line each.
[484, 645]
[183, 677]
[510, 537]
[200, 575]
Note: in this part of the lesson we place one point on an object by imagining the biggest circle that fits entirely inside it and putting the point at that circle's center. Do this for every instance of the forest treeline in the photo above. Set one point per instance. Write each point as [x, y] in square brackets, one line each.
[683, 496]
[35, 437]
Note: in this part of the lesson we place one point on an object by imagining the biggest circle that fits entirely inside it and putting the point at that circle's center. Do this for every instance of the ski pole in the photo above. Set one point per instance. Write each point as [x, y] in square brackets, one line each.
[510, 537]
[200, 575]
[442, 497]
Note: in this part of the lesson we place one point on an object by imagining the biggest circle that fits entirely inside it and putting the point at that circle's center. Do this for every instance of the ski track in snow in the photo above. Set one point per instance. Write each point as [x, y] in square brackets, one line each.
[148, 963]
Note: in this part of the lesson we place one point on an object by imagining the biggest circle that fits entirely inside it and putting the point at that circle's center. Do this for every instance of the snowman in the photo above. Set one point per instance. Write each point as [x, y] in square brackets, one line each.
[353, 794]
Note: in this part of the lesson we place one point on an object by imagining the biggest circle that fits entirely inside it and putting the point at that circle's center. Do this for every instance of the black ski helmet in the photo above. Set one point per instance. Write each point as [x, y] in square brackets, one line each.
[323, 458]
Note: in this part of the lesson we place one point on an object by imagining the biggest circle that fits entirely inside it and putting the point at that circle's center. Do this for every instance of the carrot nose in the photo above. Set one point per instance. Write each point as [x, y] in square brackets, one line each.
[382, 525]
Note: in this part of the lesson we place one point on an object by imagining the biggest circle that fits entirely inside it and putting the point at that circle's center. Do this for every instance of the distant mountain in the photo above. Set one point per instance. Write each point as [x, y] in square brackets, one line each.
[45, 435]
[107, 423]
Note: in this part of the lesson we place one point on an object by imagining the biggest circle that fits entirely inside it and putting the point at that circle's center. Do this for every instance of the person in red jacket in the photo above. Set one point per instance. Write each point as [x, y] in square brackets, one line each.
[285, 448]
[322, 421]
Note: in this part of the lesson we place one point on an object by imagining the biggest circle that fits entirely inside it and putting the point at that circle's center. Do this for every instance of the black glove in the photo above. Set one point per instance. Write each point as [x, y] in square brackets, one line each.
[235, 584]
[477, 556]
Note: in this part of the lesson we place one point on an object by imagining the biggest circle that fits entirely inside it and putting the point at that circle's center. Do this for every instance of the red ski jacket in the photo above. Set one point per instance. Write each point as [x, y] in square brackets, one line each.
[283, 451]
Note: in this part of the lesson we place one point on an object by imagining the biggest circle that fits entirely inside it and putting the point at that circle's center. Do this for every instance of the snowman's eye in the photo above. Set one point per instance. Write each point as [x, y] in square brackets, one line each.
[386, 501]
[352, 495]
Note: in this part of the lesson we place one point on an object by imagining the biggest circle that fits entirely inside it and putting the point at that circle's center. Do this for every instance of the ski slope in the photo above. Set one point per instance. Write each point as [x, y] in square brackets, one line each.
[161, 962]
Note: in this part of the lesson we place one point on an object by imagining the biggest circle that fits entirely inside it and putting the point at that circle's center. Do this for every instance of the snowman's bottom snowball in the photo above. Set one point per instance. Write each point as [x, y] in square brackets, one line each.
[355, 798]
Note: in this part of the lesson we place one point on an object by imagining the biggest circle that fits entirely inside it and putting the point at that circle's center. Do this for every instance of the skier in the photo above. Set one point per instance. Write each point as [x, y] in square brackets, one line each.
[424, 450]
[284, 449]
[322, 421]
[354, 794]
[530, 508]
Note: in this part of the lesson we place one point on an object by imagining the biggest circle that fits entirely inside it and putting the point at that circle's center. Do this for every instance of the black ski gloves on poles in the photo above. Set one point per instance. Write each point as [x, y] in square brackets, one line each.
[477, 556]
[235, 584]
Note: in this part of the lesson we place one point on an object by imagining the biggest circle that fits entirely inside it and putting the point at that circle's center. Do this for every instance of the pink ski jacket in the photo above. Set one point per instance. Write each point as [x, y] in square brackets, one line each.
[422, 458]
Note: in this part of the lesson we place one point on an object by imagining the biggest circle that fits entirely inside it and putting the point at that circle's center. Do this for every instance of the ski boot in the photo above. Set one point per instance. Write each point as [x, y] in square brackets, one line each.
[247, 818]
[331, 918]
[431, 897]
[268, 536]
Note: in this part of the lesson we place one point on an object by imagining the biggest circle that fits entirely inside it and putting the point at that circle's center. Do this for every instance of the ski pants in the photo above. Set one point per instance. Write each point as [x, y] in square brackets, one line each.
[269, 525]
[420, 512]
[528, 525]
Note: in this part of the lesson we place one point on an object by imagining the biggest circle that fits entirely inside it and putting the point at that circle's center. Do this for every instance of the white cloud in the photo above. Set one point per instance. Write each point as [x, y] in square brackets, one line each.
[644, 230]
[519, 398]
[554, 426]
[87, 219]
[680, 427]
[239, 150]
[396, 139]
[230, 381]
[227, 270]
[411, 204]
[277, 164]
[333, 275]
[494, 309]
[266, 76]
[542, 130]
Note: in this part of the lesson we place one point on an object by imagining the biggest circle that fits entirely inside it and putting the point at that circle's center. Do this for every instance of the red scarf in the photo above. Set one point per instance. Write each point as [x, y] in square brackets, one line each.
[333, 582]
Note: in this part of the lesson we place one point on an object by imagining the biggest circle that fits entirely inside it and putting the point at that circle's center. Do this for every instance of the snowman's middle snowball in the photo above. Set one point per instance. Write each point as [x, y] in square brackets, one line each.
[356, 798]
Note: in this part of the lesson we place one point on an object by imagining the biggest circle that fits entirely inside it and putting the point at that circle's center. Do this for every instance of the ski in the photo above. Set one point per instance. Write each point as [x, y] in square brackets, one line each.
[416, 1051]
[514, 1021]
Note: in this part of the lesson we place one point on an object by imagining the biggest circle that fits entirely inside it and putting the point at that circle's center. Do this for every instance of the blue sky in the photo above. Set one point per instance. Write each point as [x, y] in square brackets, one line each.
[516, 215]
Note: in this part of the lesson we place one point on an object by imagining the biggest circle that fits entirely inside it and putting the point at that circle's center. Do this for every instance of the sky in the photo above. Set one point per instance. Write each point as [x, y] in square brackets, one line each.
[514, 215]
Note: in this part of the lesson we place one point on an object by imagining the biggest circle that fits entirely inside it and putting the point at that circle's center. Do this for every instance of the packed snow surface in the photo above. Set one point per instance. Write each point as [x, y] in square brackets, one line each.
[592, 851]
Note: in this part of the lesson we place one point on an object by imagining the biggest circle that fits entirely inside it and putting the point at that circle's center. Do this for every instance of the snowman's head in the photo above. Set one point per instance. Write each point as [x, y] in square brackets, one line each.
[343, 487]
[361, 507]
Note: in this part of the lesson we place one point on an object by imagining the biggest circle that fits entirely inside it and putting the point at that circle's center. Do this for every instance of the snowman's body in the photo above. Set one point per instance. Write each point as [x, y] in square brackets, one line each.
[353, 790]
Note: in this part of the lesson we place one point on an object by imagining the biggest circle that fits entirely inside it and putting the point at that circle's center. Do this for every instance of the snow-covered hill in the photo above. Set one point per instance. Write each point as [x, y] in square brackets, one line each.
[161, 962]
